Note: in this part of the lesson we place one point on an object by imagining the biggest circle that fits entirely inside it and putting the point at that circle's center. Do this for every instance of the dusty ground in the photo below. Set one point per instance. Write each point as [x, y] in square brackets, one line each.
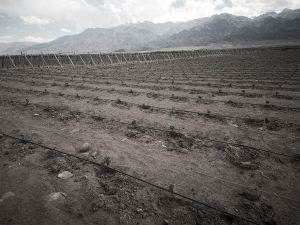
[160, 122]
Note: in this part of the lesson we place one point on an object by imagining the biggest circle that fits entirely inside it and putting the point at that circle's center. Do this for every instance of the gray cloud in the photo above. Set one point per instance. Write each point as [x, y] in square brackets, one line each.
[223, 4]
[178, 3]
[40, 20]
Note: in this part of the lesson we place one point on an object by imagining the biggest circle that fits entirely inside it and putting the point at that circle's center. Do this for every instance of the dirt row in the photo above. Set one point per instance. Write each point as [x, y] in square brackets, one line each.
[222, 83]
[272, 124]
[211, 126]
[160, 96]
[215, 146]
[93, 195]
[201, 93]
[170, 173]
[170, 71]
[136, 91]
[93, 74]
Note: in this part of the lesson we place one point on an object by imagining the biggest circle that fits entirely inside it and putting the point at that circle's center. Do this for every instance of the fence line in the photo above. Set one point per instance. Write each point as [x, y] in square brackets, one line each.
[100, 59]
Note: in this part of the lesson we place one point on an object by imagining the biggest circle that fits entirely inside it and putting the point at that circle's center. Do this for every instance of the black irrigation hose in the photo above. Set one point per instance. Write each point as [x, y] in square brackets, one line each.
[216, 178]
[201, 79]
[161, 108]
[166, 131]
[260, 105]
[169, 83]
[139, 105]
[134, 86]
[131, 176]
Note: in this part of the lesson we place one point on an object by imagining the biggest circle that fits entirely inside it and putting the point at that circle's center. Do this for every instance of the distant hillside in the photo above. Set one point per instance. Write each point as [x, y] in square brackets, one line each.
[98, 39]
[212, 30]
[268, 28]
[224, 28]
[229, 28]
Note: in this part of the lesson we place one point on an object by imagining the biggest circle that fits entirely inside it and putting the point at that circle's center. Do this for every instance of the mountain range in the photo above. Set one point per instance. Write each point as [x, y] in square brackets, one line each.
[223, 28]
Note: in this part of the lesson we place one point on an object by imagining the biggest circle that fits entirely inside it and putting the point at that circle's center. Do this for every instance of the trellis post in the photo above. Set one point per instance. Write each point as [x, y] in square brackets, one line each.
[44, 60]
[150, 57]
[137, 55]
[154, 58]
[111, 62]
[71, 60]
[12, 61]
[29, 61]
[168, 56]
[92, 59]
[101, 59]
[125, 58]
[57, 59]
[144, 57]
[82, 60]
[117, 58]
[172, 55]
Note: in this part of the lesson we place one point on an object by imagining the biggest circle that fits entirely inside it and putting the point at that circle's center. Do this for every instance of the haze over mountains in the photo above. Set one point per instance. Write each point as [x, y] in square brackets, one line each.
[223, 28]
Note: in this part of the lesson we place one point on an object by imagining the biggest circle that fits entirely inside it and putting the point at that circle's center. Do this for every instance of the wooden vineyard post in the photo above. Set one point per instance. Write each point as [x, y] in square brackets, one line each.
[150, 57]
[172, 55]
[111, 62]
[82, 60]
[155, 59]
[92, 59]
[131, 58]
[14, 65]
[71, 60]
[44, 61]
[102, 62]
[137, 55]
[125, 58]
[29, 61]
[144, 57]
[116, 55]
[57, 60]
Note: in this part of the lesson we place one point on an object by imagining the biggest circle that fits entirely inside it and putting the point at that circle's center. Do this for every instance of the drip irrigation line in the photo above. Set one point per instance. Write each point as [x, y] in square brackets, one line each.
[201, 173]
[266, 106]
[137, 81]
[199, 79]
[174, 130]
[136, 86]
[133, 177]
[207, 115]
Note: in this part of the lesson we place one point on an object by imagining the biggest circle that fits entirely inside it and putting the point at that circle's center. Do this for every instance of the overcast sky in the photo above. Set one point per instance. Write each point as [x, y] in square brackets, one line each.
[43, 20]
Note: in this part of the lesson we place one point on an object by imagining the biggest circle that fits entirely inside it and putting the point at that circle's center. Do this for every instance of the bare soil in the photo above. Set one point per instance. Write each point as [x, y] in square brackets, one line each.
[223, 130]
